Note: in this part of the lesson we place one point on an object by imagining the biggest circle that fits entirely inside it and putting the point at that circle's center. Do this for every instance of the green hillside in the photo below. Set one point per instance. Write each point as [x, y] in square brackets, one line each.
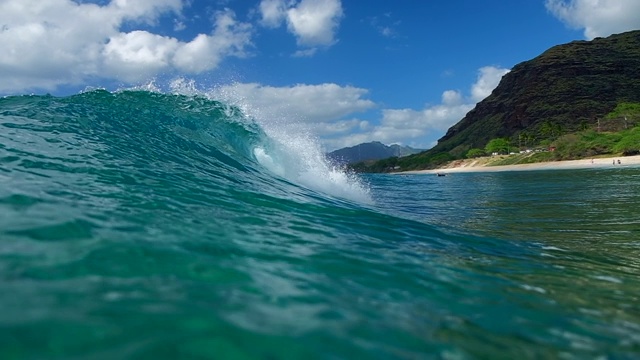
[568, 89]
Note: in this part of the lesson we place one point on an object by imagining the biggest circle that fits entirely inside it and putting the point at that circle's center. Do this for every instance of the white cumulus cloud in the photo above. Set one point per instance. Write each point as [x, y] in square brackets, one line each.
[412, 127]
[312, 22]
[137, 55]
[205, 52]
[325, 111]
[310, 104]
[63, 42]
[331, 111]
[488, 78]
[598, 18]
[273, 12]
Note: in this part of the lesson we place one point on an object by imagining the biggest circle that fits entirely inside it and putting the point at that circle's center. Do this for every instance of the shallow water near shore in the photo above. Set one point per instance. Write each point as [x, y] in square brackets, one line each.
[142, 225]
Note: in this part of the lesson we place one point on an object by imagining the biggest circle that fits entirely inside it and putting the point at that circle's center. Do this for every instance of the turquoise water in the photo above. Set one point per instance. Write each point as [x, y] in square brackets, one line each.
[140, 225]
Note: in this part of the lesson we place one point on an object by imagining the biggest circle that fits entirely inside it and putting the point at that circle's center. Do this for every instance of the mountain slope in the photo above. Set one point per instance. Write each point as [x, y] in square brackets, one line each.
[567, 88]
[570, 85]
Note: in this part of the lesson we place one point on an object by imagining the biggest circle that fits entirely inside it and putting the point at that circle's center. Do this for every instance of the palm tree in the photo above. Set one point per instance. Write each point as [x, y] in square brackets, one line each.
[546, 129]
[558, 130]
[584, 125]
[525, 137]
[499, 145]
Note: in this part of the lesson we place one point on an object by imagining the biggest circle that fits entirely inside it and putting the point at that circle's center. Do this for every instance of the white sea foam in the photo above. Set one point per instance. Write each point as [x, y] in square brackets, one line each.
[290, 151]
[298, 158]
[553, 248]
[267, 161]
[293, 153]
[534, 288]
[608, 278]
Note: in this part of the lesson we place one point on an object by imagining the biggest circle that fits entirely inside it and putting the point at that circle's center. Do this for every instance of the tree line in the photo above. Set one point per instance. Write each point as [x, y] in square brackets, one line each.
[614, 133]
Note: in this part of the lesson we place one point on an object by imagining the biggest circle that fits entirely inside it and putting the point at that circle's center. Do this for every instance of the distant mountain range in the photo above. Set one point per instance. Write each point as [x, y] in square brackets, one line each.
[370, 151]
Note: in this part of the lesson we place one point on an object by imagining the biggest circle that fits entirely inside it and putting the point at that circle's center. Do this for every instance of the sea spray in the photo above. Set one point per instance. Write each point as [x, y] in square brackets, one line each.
[284, 145]
[300, 160]
[291, 150]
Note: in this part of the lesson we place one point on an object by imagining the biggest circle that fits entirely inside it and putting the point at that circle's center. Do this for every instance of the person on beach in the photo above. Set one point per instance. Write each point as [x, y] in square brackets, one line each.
[619, 162]
[614, 161]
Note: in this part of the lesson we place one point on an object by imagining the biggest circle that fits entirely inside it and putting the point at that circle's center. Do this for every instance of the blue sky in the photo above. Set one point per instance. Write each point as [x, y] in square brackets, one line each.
[345, 71]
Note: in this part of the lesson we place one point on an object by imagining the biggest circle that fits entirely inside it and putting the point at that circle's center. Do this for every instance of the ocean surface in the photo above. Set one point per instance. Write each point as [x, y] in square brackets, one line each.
[141, 225]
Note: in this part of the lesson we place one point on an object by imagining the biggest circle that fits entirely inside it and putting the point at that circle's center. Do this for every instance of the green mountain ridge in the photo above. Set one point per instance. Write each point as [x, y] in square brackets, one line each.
[567, 88]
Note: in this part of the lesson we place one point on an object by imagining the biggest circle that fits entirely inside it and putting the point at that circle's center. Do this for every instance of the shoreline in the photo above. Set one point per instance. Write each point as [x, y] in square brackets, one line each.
[475, 166]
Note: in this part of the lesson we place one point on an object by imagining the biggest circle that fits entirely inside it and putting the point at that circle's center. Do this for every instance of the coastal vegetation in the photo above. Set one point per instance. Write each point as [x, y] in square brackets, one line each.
[576, 100]
[616, 134]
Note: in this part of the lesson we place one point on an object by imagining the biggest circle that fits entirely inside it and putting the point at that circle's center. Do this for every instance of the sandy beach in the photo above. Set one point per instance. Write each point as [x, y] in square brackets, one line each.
[472, 165]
